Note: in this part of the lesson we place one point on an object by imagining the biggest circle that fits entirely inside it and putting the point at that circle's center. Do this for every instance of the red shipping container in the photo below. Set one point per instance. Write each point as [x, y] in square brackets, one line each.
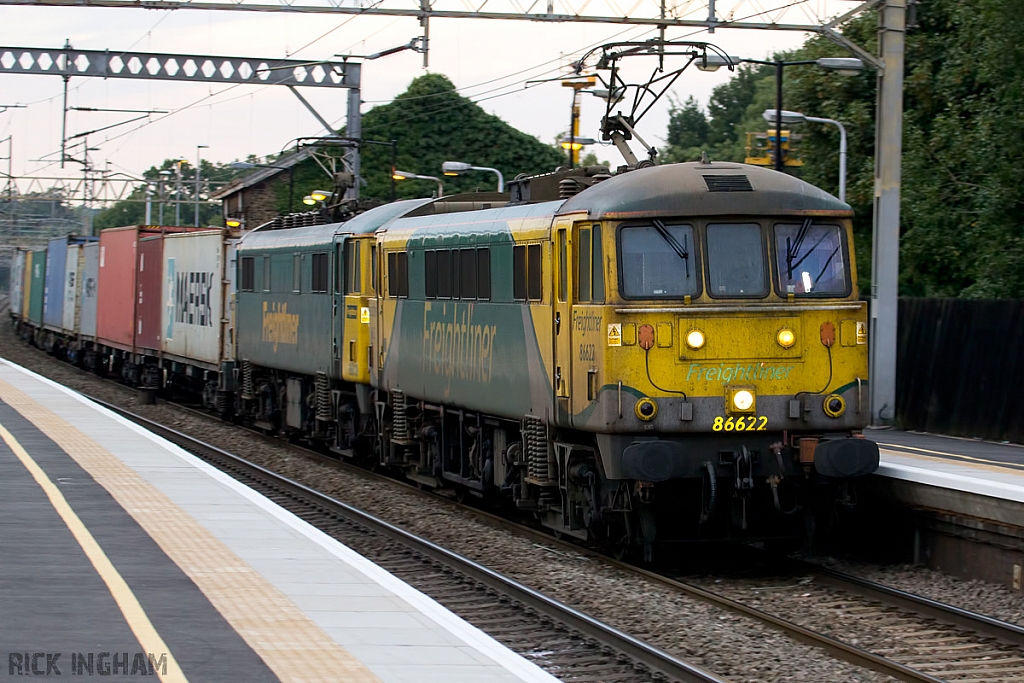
[148, 305]
[118, 284]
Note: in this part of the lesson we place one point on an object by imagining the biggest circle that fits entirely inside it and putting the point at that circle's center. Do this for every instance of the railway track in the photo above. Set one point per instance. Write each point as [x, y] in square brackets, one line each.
[927, 641]
[915, 639]
[567, 643]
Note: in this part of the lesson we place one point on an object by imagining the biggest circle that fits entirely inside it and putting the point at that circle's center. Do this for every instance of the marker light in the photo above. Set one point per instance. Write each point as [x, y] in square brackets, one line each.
[645, 409]
[742, 400]
[834, 405]
[785, 338]
[695, 339]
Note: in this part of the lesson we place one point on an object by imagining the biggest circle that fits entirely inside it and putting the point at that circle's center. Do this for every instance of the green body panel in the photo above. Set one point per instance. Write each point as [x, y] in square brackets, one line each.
[480, 355]
[282, 328]
[37, 285]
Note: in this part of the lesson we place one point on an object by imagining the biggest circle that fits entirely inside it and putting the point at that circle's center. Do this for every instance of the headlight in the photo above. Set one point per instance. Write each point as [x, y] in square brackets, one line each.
[695, 339]
[645, 409]
[742, 400]
[785, 337]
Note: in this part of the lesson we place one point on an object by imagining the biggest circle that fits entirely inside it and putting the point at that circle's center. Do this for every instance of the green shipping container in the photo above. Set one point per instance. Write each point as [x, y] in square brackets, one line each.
[38, 283]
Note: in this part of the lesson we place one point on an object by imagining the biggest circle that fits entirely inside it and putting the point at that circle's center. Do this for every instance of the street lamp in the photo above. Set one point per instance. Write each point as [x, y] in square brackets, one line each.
[241, 165]
[791, 117]
[454, 168]
[160, 194]
[405, 175]
[198, 173]
[846, 66]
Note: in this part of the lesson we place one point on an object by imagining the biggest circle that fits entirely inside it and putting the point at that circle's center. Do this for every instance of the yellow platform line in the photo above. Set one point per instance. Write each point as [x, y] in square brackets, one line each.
[294, 647]
[126, 601]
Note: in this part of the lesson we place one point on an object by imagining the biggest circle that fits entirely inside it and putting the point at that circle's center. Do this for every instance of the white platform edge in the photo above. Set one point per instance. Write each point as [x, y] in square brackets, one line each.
[963, 479]
[452, 623]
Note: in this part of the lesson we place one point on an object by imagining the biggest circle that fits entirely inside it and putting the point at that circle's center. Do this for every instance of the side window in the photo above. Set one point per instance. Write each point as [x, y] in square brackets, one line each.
[248, 274]
[597, 291]
[562, 266]
[444, 274]
[403, 274]
[533, 271]
[297, 273]
[468, 265]
[321, 273]
[583, 261]
[483, 273]
[373, 267]
[526, 272]
[266, 273]
[456, 272]
[519, 272]
[398, 274]
[430, 274]
[353, 271]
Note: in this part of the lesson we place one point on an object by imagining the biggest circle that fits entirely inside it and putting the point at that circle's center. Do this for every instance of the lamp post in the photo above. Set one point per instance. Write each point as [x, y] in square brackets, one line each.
[574, 120]
[195, 223]
[241, 165]
[844, 65]
[575, 143]
[405, 175]
[791, 117]
[160, 195]
[454, 168]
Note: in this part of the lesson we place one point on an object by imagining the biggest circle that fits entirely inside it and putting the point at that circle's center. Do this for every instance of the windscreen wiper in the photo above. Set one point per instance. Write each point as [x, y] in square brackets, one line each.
[681, 251]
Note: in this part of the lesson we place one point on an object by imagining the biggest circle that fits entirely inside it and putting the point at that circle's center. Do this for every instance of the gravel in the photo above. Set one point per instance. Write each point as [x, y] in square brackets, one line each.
[732, 646]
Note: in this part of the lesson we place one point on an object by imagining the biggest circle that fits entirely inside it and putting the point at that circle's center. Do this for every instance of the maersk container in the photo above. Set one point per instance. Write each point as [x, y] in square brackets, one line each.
[90, 278]
[53, 284]
[72, 289]
[149, 306]
[17, 291]
[197, 291]
[37, 287]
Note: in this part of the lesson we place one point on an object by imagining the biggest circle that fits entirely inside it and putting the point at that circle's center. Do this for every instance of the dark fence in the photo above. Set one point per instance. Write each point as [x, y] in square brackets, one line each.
[960, 367]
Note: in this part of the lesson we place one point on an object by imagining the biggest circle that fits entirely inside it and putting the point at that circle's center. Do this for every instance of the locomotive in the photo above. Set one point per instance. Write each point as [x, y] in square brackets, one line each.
[675, 352]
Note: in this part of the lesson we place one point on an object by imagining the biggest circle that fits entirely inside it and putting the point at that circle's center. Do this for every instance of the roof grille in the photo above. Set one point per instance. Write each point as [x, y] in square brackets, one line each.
[728, 183]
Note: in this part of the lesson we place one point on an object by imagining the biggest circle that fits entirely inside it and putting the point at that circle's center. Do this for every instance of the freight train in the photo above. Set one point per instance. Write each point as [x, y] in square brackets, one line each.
[675, 352]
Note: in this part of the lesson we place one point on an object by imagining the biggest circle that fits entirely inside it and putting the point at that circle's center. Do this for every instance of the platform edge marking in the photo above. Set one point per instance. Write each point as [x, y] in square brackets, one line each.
[126, 601]
[281, 660]
[527, 671]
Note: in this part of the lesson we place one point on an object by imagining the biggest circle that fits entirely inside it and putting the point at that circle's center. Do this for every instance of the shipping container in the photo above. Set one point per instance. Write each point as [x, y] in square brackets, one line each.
[149, 305]
[37, 286]
[57, 273]
[72, 289]
[26, 286]
[17, 282]
[197, 291]
[90, 287]
[116, 315]
[53, 284]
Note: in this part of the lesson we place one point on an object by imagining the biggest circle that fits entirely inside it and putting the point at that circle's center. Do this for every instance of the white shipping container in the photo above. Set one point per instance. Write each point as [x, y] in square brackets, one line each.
[72, 286]
[90, 277]
[194, 291]
[17, 288]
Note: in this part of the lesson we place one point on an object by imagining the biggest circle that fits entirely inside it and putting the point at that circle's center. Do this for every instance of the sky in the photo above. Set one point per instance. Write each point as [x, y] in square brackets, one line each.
[489, 61]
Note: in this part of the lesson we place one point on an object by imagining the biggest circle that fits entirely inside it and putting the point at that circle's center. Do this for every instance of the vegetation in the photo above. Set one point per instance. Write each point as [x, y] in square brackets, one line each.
[963, 184]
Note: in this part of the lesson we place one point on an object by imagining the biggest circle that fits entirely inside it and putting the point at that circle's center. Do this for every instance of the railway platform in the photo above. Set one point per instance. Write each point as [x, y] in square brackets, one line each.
[963, 500]
[121, 555]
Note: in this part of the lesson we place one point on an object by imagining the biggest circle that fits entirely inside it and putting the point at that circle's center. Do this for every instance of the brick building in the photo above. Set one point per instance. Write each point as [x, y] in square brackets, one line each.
[252, 200]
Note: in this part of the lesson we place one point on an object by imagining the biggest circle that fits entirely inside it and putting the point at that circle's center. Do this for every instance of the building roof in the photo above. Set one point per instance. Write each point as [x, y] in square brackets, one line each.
[280, 165]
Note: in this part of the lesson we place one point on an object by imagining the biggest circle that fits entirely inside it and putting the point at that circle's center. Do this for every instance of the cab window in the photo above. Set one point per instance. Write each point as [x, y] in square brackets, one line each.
[811, 260]
[658, 261]
[736, 260]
